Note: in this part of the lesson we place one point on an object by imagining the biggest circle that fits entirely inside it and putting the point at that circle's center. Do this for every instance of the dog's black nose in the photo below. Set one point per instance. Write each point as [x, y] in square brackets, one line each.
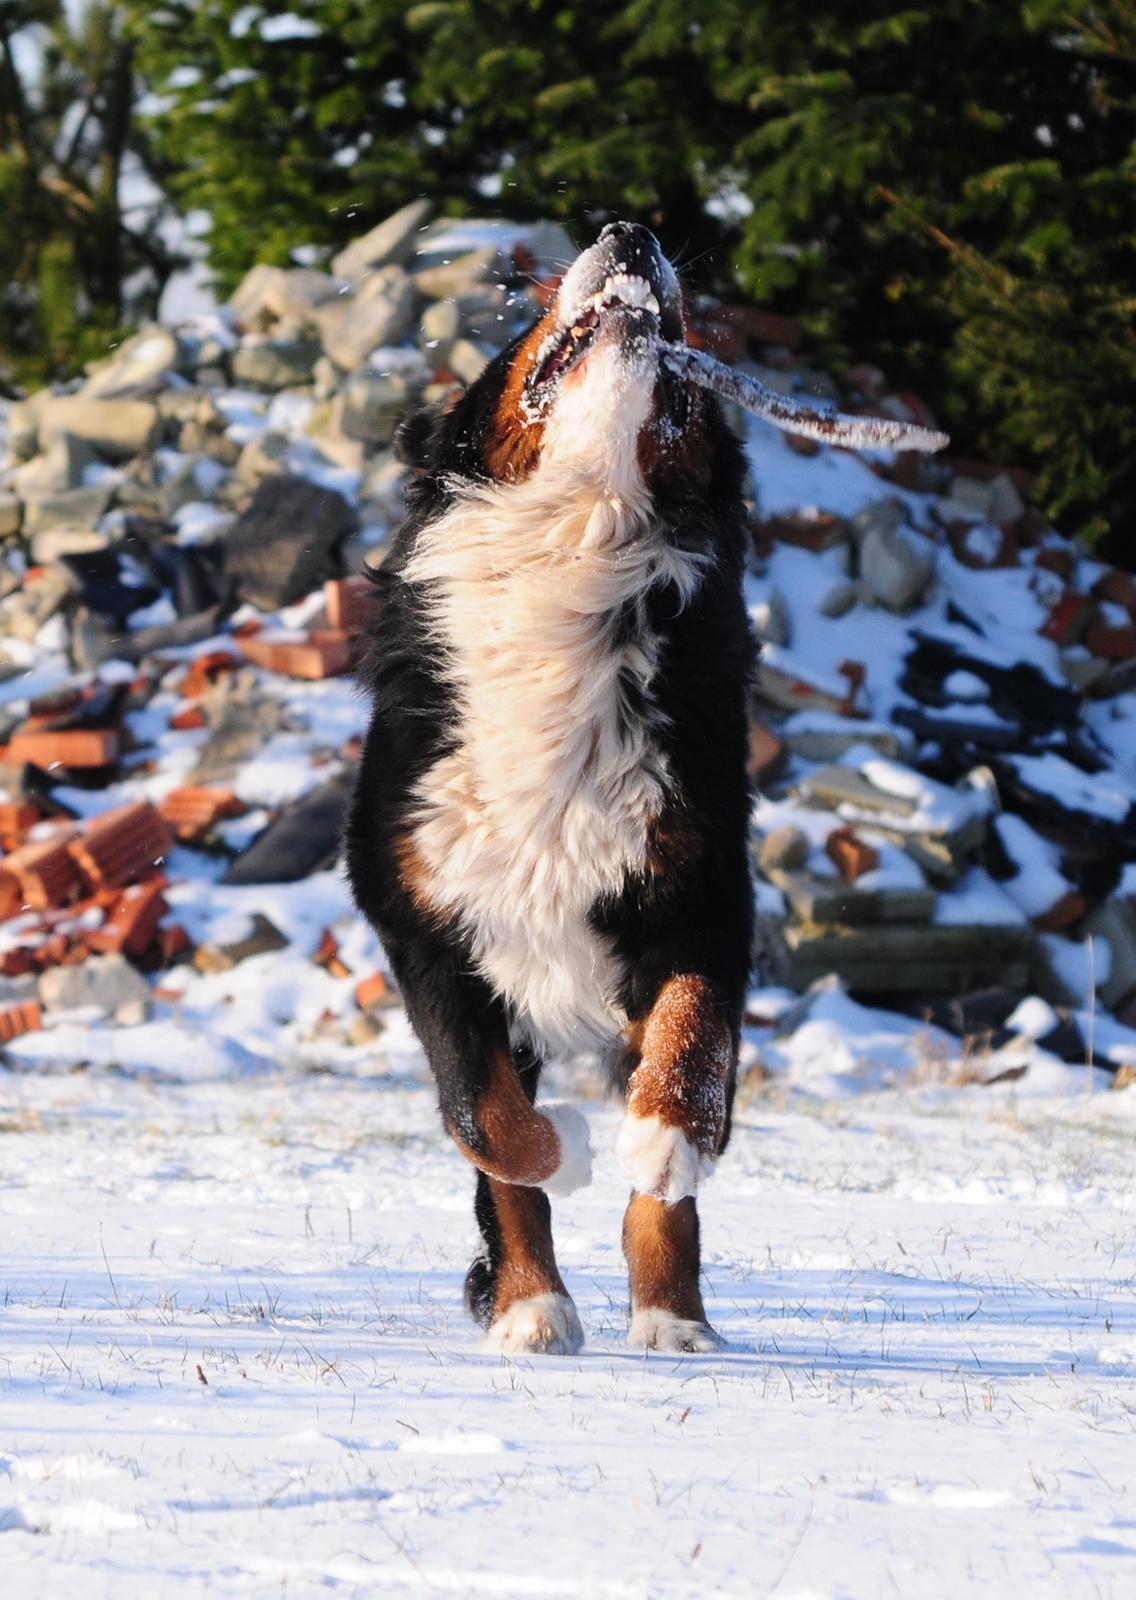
[616, 230]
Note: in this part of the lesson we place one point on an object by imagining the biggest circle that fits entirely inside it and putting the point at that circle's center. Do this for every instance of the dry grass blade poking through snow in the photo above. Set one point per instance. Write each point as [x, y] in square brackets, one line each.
[795, 416]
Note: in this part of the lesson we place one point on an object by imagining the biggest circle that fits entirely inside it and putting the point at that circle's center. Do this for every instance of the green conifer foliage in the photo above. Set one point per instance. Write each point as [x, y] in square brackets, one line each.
[946, 188]
[75, 269]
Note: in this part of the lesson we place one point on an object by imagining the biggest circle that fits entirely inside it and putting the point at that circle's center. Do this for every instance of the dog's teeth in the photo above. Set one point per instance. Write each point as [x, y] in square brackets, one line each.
[652, 305]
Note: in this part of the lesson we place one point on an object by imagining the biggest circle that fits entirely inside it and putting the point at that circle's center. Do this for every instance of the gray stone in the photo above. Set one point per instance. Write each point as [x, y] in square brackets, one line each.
[263, 937]
[896, 565]
[1006, 504]
[839, 599]
[370, 406]
[52, 543]
[108, 982]
[783, 850]
[439, 328]
[771, 619]
[26, 612]
[460, 275]
[117, 429]
[60, 467]
[1082, 670]
[836, 901]
[382, 314]
[1115, 923]
[391, 242]
[973, 497]
[140, 367]
[284, 545]
[835, 786]
[384, 489]
[829, 743]
[23, 424]
[11, 514]
[879, 516]
[326, 378]
[904, 958]
[275, 364]
[69, 508]
[262, 455]
[467, 361]
[277, 294]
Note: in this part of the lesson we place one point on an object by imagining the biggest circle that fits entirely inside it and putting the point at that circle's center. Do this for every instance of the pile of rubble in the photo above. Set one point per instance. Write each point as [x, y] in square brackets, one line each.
[944, 731]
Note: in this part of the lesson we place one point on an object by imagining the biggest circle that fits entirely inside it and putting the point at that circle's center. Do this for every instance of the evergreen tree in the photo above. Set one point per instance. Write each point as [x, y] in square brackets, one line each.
[73, 270]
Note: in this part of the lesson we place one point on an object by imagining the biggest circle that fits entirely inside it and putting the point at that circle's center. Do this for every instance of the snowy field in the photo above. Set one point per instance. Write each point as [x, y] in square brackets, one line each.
[234, 1359]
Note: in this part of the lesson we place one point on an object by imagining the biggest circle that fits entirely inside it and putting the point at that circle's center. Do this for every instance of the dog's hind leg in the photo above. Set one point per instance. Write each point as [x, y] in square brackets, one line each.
[514, 1288]
[682, 1061]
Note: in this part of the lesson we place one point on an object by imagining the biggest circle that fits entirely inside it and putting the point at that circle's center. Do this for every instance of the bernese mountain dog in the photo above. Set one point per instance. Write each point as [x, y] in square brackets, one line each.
[549, 826]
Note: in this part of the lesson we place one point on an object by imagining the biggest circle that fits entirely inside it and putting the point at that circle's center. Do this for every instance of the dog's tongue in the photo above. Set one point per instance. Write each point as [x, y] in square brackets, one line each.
[795, 416]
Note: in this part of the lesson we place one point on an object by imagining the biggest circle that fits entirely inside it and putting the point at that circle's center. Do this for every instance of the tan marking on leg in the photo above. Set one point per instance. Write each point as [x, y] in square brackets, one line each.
[661, 1246]
[686, 1053]
[518, 1144]
[529, 1264]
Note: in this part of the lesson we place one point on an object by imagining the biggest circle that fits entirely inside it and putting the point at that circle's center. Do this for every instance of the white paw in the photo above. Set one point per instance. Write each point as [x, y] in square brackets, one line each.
[659, 1159]
[655, 1329]
[546, 1325]
[575, 1169]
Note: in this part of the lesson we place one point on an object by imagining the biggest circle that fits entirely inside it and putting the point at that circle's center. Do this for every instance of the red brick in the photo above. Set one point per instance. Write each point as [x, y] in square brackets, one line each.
[323, 653]
[372, 990]
[352, 603]
[206, 669]
[1068, 619]
[851, 855]
[133, 922]
[25, 1017]
[14, 963]
[1060, 559]
[172, 942]
[1006, 555]
[122, 845]
[191, 812]
[766, 752]
[191, 716]
[807, 533]
[39, 875]
[1115, 644]
[1069, 909]
[1118, 587]
[327, 956]
[16, 817]
[70, 747]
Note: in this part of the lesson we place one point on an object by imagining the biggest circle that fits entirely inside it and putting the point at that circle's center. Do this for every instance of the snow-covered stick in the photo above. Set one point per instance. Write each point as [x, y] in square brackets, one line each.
[797, 416]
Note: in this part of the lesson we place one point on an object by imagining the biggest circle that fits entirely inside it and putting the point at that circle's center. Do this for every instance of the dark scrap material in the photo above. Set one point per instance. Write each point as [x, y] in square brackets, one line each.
[286, 543]
[301, 841]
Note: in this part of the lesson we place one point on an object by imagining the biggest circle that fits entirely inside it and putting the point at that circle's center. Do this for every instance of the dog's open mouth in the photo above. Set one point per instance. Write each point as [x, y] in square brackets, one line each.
[569, 345]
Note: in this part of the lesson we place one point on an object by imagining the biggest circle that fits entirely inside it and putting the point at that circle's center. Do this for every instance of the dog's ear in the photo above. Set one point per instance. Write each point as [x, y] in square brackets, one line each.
[417, 433]
[414, 436]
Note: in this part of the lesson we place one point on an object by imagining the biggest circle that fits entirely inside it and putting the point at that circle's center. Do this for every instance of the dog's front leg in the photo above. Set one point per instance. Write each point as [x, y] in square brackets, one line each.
[515, 1287]
[678, 1096]
[486, 1094]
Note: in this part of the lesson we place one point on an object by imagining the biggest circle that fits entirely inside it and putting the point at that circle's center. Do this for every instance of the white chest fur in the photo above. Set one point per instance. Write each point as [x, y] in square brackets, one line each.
[535, 596]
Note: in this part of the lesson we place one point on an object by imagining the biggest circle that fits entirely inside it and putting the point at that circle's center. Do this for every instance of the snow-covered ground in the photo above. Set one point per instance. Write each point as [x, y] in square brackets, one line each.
[234, 1359]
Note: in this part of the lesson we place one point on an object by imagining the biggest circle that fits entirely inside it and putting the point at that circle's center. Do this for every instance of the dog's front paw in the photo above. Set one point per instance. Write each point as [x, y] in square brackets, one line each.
[575, 1169]
[659, 1159]
[546, 1324]
[656, 1329]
